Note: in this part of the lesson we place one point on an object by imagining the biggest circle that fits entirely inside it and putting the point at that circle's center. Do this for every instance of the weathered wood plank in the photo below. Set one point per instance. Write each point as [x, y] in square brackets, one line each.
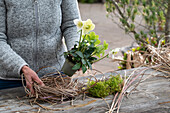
[151, 96]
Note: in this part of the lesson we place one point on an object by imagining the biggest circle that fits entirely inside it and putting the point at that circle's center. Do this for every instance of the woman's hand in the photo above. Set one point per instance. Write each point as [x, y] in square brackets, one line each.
[31, 77]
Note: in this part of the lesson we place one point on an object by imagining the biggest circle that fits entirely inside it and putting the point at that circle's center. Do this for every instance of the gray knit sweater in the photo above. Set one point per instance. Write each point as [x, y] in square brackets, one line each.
[31, 33]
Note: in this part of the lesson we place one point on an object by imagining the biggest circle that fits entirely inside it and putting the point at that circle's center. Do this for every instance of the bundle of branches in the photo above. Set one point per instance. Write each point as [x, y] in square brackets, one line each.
[147, 55]
[131, 82]
[160, 57]
[58, 87]
[152, 58]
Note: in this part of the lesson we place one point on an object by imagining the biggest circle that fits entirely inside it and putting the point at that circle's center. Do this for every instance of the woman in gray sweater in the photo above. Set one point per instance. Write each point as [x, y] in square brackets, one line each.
[31, 33]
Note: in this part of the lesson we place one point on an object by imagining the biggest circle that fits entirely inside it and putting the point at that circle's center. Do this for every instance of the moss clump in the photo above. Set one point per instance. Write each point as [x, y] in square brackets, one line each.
[106, 87]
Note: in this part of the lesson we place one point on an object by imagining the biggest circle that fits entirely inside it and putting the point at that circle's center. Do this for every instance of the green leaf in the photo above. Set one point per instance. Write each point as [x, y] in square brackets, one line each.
[89, 64]
[137, 36]
[132, 27]
[79, 53]
[135, 10]
[144, 3]
[129, 11]
[73, 54]
[92, 35]
[152, 31]
[147, 12]
[97, 42]
[72, 51]
[145, 35]
[119, 67]
[138, 48]
[141, 32]
[133, 17]
[126, 30]
[83, 61]
[127, 1]
[84, 69]
[76, 66]
[99, 50]
[88, 54]
[92, 59]
[105, 45]
[93, 39]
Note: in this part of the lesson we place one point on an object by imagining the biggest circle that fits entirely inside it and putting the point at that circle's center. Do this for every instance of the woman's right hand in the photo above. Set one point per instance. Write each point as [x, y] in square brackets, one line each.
[31, 77]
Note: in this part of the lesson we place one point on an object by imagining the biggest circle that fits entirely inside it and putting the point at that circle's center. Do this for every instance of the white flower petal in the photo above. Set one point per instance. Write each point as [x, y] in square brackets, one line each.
[114, 51]
[79, 23]
[113, 56]
[76, 21]
[119, 57]
[117, 49]
[78, 28]
[88, 44]
[111, 52]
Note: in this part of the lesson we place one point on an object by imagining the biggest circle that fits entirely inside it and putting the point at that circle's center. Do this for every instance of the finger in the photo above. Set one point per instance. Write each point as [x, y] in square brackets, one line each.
[32, 90]
[38, 81]
[29, 86]
[28, 83]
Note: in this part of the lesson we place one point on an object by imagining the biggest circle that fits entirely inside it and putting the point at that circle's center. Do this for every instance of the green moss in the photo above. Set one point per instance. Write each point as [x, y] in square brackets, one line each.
[106, 87]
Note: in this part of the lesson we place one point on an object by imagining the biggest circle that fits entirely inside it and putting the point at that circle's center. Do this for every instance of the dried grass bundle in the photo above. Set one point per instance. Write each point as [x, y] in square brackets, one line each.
[159, 57]
[58, 87]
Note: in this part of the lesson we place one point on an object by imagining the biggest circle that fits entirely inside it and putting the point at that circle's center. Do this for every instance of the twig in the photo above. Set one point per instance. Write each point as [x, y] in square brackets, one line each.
[106, 103]
[39, 109]
[113, 102]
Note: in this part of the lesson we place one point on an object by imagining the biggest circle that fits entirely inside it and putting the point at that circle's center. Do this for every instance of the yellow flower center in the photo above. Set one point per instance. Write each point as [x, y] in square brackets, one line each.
[87, 27]
[80, 24]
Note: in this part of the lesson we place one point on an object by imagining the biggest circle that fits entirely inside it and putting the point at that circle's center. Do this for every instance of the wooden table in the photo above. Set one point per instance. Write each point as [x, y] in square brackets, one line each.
[151, 96]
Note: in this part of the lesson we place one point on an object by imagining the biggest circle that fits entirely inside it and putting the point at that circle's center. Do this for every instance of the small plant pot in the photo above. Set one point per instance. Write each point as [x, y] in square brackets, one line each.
[67, 68]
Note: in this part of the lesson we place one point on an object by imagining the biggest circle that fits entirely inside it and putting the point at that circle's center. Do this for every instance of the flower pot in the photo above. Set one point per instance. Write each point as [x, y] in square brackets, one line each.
[67, 68]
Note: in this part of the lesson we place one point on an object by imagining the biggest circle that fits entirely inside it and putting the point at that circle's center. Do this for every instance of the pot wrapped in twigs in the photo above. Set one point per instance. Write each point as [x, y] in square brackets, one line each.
[58, 87]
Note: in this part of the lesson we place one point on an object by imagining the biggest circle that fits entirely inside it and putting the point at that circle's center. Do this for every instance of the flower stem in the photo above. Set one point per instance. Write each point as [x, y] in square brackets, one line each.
[80, 40]
[83, 49]
[93, 53]
[100, 59]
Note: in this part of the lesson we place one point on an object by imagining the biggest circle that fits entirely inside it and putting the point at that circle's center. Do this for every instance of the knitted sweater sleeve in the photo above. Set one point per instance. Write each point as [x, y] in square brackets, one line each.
[70, 12]
[9, 59]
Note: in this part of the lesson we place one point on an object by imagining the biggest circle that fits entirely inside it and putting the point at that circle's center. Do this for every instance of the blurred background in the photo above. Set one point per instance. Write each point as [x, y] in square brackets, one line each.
[106, 29]
[131, 25]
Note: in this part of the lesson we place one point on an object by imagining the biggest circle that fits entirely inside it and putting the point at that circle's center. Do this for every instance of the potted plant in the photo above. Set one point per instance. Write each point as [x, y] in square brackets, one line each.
[86, 51]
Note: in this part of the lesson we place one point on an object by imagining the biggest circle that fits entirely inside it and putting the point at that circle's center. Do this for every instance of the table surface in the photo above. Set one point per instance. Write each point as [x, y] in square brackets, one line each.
[151, 96]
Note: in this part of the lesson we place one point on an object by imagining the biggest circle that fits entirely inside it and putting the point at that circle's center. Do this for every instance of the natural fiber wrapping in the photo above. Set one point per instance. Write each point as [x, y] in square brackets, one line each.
[57, 88]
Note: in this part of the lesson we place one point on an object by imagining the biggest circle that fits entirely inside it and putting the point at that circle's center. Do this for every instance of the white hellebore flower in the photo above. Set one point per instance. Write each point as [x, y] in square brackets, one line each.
[114, 51]
[79, 23]
[113, 56]
[119, 57]
[77, 46]
[88, 26]
[88, 44]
